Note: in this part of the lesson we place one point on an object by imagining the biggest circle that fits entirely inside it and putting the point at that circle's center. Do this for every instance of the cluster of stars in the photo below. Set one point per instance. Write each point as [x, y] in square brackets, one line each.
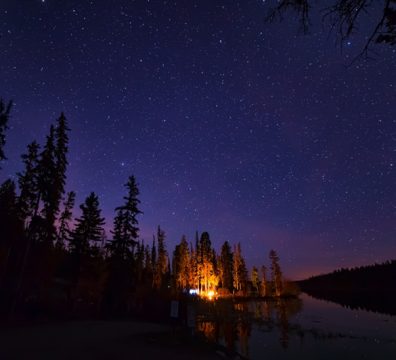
[230, 124]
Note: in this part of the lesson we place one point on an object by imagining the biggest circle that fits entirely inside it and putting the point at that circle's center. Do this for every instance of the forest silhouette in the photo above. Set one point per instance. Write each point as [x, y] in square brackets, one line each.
[52, 264]
[55, 265]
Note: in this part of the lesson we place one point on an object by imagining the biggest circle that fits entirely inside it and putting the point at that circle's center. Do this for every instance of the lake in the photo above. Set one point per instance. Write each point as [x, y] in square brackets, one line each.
[304, 328]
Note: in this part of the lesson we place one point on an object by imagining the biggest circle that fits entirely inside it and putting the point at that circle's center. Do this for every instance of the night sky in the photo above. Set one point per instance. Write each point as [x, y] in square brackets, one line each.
[248, 130]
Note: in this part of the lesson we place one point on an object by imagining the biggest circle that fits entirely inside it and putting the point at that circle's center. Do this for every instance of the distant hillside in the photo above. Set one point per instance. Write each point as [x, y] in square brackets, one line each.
[370, 287]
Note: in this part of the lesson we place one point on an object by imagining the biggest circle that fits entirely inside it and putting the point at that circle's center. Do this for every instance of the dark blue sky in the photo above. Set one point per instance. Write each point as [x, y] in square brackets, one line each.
[232, 125]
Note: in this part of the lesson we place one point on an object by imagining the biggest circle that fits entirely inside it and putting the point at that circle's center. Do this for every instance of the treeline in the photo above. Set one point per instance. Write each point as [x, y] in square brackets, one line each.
[200, 268]
[369, 287]
[53, 262]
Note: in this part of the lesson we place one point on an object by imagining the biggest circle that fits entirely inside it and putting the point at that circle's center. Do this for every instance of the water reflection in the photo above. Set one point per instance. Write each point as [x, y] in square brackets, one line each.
[290, 328]
[230, 323]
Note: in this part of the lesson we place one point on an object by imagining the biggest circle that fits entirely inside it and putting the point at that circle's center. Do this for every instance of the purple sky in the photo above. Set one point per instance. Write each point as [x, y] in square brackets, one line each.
[231, 125]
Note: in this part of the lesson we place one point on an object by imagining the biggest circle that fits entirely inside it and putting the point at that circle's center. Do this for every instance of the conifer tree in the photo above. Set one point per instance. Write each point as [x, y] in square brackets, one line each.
[264, 284]
[126, 231]
[4, 117]
[139, 261]
[148, 266]
[10, 225]
[48, 192]
[226, 266]
[205, 262]
[153, 254]
[161, 267]
[276, 273]
[240, 271]
[64, 220]
[28, 184]
[193, 281]
[89, 227]
[255, 279]
[181, 265]
[60, 153]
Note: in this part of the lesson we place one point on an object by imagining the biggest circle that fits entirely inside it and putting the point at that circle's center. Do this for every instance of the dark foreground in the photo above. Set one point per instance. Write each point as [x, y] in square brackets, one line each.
[101, 340]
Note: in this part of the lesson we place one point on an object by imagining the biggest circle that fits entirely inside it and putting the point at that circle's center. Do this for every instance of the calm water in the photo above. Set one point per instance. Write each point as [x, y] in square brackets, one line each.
[303, 328]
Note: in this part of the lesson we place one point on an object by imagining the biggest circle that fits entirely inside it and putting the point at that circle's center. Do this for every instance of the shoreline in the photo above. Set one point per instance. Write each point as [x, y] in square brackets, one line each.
[103, 339]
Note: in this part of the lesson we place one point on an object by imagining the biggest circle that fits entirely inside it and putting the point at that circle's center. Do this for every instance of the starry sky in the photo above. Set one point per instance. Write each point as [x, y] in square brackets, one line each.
[248, 130]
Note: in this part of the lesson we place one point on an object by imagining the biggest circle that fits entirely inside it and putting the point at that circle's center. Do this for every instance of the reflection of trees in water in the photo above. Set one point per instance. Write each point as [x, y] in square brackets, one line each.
[209, 329]
[244, 330]
[232, 322]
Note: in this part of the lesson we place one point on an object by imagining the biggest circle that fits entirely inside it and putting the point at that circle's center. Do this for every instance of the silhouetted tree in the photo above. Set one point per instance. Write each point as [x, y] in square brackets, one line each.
[10, 225]
[344, 17]
[28, 184]
[264, 282]
[239, 270]
[255, 279]
[226, 267]
[48, 192]
[153, 254]
[4, 117]
[126, 231]
[89, 227]
[276, 273]
[65, 218]
[61, 150]
[161, 266]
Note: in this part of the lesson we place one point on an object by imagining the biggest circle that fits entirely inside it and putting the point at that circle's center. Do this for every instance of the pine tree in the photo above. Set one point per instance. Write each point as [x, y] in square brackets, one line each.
[48, 192]
[64, 220]
[276, 273]
[126, 231]
[255, 279]
[139, 261]
[264, 285]
[148, 265]
[226, 266]
[60, 153]
[153, 254]
[4, 117]
[10, 224]
[193, 281]
[239, 269]
[161, 267]
[28, 184]
[89, 227]
[181, 265]
[206, 262]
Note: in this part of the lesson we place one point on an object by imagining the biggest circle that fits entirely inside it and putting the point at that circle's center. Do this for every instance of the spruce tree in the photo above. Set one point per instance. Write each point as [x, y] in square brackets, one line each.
[161, 266]
[255, 279]
[264, 285]
[181, 265]
[226, 265]
[48, 192]
[4, 117]
[28, 184]
[65, 219]
[60, 152]
[206, 262]
[126, 231]
[240, 271]
[153, 253]
[10, 224]
[89, 227]
[276, 273]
